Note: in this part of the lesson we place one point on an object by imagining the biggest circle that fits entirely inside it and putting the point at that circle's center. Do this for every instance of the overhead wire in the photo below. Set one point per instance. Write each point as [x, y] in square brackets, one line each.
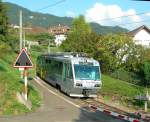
[51, 5]
[148, 20]
[104, 19]
[130, 15]
[111, 19]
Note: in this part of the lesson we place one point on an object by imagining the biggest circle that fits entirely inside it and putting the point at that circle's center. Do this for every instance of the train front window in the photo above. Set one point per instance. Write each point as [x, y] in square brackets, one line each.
[86, 72]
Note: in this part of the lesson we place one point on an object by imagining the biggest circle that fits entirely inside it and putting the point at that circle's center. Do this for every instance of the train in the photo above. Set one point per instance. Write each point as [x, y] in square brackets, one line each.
[75, 74]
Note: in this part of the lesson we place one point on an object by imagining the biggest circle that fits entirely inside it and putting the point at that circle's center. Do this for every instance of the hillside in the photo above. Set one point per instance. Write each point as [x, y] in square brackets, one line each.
[46, 20]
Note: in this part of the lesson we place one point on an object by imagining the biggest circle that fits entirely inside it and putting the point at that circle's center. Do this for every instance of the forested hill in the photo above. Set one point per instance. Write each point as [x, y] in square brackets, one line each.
[46, 20]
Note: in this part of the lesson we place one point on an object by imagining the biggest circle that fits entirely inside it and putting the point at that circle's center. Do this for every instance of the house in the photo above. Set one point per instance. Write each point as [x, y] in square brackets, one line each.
[60, 32]
[141, 36]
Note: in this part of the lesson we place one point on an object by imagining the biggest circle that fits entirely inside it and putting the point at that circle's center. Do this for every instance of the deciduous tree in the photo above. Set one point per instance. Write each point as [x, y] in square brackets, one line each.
[77, 38]
[3, 29]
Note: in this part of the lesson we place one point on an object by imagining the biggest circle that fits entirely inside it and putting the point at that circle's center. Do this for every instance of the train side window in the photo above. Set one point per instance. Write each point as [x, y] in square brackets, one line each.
[60, 67]
[64, 71]
[70, 75]
[48, 61]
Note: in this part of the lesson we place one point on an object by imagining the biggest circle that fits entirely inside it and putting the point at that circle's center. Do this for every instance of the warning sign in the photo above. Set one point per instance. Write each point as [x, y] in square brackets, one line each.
[23, 60]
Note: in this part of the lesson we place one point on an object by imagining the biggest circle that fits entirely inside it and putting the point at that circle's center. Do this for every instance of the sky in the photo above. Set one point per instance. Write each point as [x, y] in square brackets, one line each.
[104, 12]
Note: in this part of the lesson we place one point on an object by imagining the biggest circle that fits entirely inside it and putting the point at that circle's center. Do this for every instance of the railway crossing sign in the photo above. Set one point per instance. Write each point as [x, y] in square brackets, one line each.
[23, 60]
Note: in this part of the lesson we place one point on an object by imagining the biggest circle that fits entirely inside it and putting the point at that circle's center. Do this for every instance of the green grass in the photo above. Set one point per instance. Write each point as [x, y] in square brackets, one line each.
[122, 91]
[10, 83]
[117, 87]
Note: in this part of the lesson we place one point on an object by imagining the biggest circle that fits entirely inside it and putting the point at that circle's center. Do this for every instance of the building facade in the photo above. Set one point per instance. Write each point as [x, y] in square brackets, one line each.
[60, 32]
[141, 36]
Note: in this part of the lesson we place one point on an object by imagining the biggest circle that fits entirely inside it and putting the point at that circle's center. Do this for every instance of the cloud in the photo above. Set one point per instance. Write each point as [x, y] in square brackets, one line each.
[148, 14]
[70, 14]
[102, 14]
[133, 17]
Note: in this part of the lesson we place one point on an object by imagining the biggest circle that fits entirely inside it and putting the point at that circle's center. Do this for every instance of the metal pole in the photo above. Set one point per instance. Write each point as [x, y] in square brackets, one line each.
[24, 39]
[25, 84]
[20, 29]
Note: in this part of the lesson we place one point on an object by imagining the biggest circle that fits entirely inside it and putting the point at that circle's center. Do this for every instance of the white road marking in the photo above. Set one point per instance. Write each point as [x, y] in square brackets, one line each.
[68, 101]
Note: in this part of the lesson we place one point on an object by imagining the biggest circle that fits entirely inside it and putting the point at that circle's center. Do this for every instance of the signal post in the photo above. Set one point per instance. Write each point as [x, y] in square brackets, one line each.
[23, 62]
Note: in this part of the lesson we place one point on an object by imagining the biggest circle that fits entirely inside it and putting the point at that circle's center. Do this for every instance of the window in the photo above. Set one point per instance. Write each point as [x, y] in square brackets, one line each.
[87, 72]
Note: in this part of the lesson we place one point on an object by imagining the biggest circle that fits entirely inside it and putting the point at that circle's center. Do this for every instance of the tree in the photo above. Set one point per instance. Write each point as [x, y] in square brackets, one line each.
[135, 58]
[112, 49]
[3, 29]
[76, 39]
[3, 21]
[146, 69]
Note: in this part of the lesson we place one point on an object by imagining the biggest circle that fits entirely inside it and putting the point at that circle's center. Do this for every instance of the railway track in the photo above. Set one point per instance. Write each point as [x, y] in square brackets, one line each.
[86, 102]
[90, 101]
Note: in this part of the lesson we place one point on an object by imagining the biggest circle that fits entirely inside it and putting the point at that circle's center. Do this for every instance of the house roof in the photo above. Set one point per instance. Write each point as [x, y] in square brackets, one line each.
[59, 29]
[135, 31]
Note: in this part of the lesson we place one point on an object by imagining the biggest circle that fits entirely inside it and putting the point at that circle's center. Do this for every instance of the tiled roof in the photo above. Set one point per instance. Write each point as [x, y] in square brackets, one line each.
[60, 29]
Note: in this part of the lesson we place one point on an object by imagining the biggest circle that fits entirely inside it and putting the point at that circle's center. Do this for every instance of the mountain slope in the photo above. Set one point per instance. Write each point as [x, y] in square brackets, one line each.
[46, 20]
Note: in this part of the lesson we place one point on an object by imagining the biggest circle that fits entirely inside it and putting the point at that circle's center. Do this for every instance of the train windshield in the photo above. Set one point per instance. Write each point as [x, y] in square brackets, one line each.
[86, 72]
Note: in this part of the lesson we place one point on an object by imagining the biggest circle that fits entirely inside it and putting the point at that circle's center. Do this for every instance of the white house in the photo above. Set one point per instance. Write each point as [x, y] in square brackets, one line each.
[59, 39]
[141, 35]
[60, 33]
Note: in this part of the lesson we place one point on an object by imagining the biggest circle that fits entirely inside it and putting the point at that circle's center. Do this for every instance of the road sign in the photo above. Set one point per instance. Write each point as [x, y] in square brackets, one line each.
[23, 60]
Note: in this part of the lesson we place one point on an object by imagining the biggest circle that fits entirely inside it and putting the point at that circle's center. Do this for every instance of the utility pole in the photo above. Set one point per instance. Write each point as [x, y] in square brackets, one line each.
[20, 28]
[20, 20]
[24, 39]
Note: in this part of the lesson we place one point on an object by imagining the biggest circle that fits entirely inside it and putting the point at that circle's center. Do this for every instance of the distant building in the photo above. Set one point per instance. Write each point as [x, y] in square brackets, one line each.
[36, 30]
[14, 26]
[60, 33]
[31, 43]
[141, 36]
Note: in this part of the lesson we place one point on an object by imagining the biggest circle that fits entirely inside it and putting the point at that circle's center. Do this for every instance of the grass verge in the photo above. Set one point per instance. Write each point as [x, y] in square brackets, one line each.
[10, 83]
[121, 93]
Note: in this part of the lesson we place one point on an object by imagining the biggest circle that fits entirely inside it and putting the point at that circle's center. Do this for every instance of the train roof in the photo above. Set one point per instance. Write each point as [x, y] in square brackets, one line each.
[66, 56]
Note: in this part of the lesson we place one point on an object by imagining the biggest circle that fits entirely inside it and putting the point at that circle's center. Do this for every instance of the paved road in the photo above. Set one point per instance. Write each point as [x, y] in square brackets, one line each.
[57, 107]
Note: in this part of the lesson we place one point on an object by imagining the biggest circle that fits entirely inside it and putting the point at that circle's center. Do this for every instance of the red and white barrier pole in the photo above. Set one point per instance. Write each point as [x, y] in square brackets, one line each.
[111, 113]
[25, 84]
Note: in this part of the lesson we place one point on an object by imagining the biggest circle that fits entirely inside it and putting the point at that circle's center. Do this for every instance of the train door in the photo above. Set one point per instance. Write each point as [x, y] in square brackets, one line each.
[67, 77]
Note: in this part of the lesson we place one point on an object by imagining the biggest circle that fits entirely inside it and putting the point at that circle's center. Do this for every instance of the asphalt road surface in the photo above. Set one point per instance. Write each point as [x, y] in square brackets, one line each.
[58, 107]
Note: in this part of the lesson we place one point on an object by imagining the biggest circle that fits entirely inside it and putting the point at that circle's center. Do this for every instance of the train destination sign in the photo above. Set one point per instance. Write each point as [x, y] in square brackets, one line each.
[23, 60]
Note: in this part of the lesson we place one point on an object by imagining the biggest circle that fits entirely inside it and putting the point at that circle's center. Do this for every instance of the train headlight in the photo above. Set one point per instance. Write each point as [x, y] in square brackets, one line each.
[78, 84]
[97, 85]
